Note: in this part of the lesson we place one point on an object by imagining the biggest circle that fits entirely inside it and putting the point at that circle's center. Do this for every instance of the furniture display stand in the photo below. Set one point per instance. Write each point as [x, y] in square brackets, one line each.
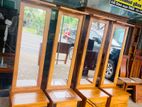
[86, 83]
[60, 73]
[28, 67]
[134, 81]
[117, 96]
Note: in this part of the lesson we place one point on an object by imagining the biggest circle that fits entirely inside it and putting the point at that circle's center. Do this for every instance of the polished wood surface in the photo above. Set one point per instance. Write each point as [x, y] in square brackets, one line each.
[29, 99]
[124, 71]
[115, 91]
[62, 96]
[89, 93]
[136, 67]
[93, 97]
[137, 97]
[118, 97]
[133, 79]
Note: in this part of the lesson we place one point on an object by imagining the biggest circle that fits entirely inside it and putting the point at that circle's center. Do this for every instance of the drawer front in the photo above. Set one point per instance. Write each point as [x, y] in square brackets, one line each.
[120, 100]
[99, 102]
[119, 105]
[67, 104]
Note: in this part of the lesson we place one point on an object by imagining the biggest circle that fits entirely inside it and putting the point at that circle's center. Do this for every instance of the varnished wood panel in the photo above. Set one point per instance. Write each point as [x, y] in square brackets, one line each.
[29, 99]
[117, 97]
[93, 97]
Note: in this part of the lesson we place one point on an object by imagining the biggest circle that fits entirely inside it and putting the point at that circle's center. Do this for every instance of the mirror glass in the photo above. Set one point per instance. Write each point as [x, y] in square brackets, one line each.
[115, 49]
[30, 47]
[93, 48]
[65, 49]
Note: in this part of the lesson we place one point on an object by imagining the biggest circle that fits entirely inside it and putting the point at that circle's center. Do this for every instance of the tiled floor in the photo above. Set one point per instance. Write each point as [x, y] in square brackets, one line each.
[4, 103]
[132, 104]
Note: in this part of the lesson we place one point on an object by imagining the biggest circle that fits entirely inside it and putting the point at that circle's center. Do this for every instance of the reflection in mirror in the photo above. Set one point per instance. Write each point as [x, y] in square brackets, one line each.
[31, 41]
[115, 49]
[94, 45]
[64, 53]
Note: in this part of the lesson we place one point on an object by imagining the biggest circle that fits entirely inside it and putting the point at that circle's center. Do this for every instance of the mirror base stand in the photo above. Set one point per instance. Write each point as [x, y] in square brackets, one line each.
[93, 97]
[118, 97]
[28, 99]
[65, 97]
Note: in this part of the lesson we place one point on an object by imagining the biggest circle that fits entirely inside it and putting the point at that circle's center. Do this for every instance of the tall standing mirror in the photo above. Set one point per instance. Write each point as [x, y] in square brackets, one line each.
[114, 55]
[31, 42]
[31, 45]
[92, 53]
[64, 49]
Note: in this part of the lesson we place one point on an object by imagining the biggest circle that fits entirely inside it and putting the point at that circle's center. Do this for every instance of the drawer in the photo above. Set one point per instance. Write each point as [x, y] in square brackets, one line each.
[119, 105]
[67, 104]
[99, 102]
[120, 100]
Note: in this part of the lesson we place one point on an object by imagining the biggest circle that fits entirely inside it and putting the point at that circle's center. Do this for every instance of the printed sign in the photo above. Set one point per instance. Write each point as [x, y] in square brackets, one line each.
[133, 5]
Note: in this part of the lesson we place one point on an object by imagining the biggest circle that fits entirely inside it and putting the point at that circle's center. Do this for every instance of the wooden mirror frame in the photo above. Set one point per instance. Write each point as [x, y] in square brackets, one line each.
[99, 57]
[34, 4]
[76, 14]
[113, 84]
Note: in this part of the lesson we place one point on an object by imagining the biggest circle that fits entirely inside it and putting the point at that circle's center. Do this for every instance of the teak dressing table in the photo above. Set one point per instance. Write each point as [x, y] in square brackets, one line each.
[118, 97]
[30, 54]
[90, 64]
[63, 57]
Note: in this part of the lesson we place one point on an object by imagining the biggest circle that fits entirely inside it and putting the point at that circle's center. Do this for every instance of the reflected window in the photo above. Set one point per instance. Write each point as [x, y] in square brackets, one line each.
[94, 45]
[31, 41]
[65, 49]
[115, 49]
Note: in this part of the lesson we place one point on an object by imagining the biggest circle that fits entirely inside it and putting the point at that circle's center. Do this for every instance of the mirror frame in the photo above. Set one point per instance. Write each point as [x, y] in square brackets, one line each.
[46, 7]
[113, 84]
[76, 14]
[99, 57]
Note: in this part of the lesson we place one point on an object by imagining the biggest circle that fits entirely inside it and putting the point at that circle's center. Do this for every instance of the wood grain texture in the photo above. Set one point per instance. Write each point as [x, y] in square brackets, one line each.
[29, 99]
[93, 97]
[118, 97]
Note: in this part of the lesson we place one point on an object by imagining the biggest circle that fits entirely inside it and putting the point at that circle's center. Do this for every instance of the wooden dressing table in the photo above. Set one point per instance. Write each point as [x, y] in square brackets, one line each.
[60, 72]
[28, 67]
[118, 97]
[86, 82]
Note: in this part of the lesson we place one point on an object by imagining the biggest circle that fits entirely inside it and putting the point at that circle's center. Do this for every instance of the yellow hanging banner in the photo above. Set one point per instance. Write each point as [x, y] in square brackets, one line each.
[133, 5]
